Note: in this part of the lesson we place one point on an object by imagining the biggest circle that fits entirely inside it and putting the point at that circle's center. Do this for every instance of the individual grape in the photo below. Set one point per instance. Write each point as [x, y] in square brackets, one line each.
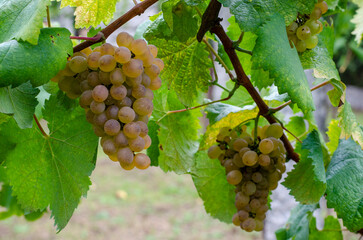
[89, 116]
[315, 26]
[118, 92]
[142, 118]
[138, 46]
[237, 160]
[249, 188]
[257, 177]
[133, 68]
[107, 63]
[147, 140]
[117, 77]
[142, 161]
[255, 204]
[127, 167]
[294, 40]
[92, 60]
[274, 130]
[65, 84]
[133, 81]
[259, 225]
[301, 46]
[214, 152]
[125, 155]
[323, 6]
[121, 140]
[235, 219]
[67, 71]
[153, 71]
[126, 114]
[137, 144]
[97, 107]
[112, 127]
[84, 86]
[107, 49]
[155, 83]
[72, 94]
[260, 216]
[132, 130]
[264, 160]
[229, 165]
[92, 79]
[250, 158]
[312, 42]
[273, 185]
[248, 139]
[100, 119]
[149, 94]
[110, 100]
[153, 50]
[263, 208]
[104, 78]
[100, 93]
[146, 58]
[234, 177]
[266, 146]
[158, 62]
[248, 225]
[303, 32]
[143, 106]
[243, 151]
[243, 215]
[239, 143]
[241, 200]
[143, 128]
[316, 14]
[124, 39]
[291, 29]
[146, 81]
[138, 91]
[122, 55]
[125, 102]
[109, 147]
[98, 131]
[112, 112]
[113, 157]
[97, 49]
[79, 54]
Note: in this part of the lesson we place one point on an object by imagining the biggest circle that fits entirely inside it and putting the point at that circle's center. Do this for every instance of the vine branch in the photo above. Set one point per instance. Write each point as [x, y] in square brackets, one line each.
[107, 31]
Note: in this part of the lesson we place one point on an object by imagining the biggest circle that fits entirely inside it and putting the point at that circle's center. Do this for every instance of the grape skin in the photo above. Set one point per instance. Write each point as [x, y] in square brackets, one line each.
[112, 127]
[142, 161]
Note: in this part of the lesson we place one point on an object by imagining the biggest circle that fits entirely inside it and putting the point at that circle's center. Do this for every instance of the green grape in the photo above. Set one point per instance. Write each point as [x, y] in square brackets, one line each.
[98, 131]
[315, 26]
[243, 151]
[248, 225]
[104, 78]
[142, 161]
[229, 165]
[260, 216]
[234, 177]
[264, 207]
[126, 114]
[110, 100]
[132, 130]
[274, 177]
[117, 77]
[266, 146]
[118, 92]
[293, 41]
[80, 54]
[139, 46]
[237, 160]
[291, 29]
[143, 128]
[259, 225]
[153, 50]
[138, 91]
[153, 71]
[143, 106]
[248, 139]
[303, 32]
[312, 42]
[121, 140]
[122, 55]
[107, 63]
[112, 127]
[145, 80]
[87, 51]
[100, 119]
[89, 116]
[249, 188]
[239, 143]
[92, 60]
[272, 186]
[100, 93]
[72, 95]
[133, 68]
[78, 64]
[65, 84]
[125, 102]
[235, 220]
[158, 62]
[147, 140]
[86, 99]
[84, 86]
[124, 39]
[134, 81]
[316, 14]
[214, 152]
[107, 49]
[243, 215]
[301, 46]
[67, 71]
[147, 58]
[255, 204]
[241, 200]
[97, 107]
[112, 112]
[109, 147]
[127, 166]
[125, 155]
[323, 6]
[250, 158]
[149, 94]
[155, 83]
[137, 144]
[274, 130]
[257, 177]
[92, 79]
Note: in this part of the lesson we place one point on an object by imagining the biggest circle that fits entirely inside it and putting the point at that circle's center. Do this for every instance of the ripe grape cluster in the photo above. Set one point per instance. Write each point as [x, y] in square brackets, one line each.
[304, 31]
[114, 86]
[254, 167]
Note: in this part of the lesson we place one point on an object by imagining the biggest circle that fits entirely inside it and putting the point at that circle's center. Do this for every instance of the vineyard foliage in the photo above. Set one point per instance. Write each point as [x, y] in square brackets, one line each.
[50, 170]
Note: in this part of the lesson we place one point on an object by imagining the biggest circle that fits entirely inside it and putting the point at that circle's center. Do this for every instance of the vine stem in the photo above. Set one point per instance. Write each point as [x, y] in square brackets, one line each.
[276, 109]
[96, 38]
[48, 17]
[40, 126]
[107, 31]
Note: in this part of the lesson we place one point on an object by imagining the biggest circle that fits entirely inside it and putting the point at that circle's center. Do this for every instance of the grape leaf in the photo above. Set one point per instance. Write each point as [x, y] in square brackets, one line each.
[307, 181]
[209, 178]
[358, 21]
[52, 170]
[252, 14]
[19, 102]
[297, 126]
[345, 188]
[178, 135]
[21, 61]
[349, 124]
[297, 226]
[183, 62]
[22, 19]
[240, 97]
[334, 132]
[282, 63]
[153, 151]
[337, 5]
[331, 229]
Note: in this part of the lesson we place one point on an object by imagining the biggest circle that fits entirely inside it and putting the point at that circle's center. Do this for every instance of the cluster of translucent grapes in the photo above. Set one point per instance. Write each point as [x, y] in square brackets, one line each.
[254, 167]
[304, 31]
[114, 86]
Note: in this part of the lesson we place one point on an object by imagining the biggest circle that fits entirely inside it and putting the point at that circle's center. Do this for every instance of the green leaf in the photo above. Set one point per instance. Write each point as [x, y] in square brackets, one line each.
[153, 151]
[297, 126]
[345, 188]
[358, 21]
[19, 102]
[52, 170]
[178, 135]
[282, 63]
[349, 124]
[331, 230]
[21, 61]
[240, 97]
[334, 132]
[22, 19]
[252, 14]
[218, 195]
[337, 5]
[307, 181]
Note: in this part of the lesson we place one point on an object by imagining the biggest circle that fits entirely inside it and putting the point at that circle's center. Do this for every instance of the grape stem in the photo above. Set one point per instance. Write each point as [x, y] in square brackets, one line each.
[243, 50]
[283, 127]
[48, 17]
[256, 126]
[40, 126]
[107, 31]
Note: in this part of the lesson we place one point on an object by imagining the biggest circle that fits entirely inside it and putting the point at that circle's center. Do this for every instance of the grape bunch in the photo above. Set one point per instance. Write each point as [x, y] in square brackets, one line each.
[304, 31]
[254, 167]
[115, 87]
